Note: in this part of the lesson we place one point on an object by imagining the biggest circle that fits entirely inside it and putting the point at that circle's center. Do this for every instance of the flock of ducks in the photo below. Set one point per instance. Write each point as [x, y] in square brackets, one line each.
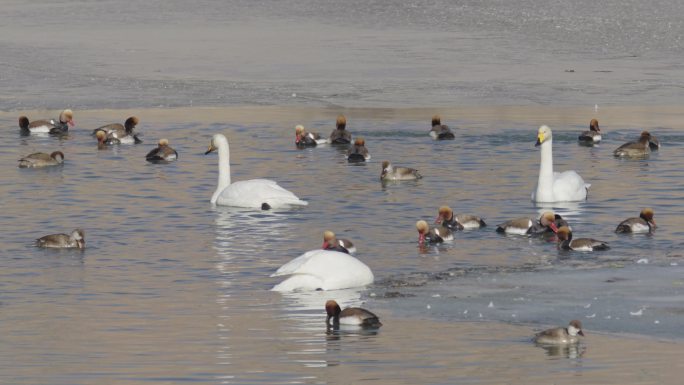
[333, 267]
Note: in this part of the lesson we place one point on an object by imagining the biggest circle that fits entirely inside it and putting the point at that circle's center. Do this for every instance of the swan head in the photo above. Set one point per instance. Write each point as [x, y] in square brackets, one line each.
[341, 122]
[593, 125]
[67, 116]
[212, 146]
[436, 120]
[543, 135]
[332, 309]
[329, 238]
[564, 234]
[130, 124]
[548, 219]
[445, 213]
[647, 215]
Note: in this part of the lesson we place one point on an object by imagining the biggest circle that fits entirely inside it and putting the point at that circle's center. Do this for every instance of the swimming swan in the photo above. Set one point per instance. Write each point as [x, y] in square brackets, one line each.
[567, 186]
[257, 193]
[323, 270]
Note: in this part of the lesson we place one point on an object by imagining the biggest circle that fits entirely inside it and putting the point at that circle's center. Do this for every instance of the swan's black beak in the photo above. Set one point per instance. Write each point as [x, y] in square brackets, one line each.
[211, 149]
[538, 143]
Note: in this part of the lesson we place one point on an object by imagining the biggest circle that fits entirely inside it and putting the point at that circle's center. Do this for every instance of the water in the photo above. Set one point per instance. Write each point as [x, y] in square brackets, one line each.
[171, 290]
[124, 54]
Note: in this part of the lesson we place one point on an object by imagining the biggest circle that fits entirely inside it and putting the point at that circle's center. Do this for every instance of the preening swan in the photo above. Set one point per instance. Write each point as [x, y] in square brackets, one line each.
[567, 186]
[323, 270]
[257, 193]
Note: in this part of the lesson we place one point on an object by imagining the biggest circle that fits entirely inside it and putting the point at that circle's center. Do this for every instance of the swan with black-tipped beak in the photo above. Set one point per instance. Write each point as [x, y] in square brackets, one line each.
[254, 193]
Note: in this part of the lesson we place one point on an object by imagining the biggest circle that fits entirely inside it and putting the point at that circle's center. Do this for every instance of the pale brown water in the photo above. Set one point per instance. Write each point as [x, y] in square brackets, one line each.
[171, 290]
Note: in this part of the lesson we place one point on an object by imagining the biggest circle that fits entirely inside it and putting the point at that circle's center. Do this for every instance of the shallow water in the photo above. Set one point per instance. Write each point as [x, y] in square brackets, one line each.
[383, 53]
[172, 290]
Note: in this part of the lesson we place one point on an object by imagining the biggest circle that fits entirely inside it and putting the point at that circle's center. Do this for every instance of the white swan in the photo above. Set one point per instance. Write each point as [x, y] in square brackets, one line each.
[259, 193]
[567, 186]
[323, 270]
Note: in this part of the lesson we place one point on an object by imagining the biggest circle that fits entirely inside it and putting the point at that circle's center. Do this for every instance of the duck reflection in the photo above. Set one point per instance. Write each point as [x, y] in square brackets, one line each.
[571, 351]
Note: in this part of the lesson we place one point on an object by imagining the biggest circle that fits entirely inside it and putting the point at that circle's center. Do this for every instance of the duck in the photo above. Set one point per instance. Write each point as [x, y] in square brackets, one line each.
[560, 335]
[307, 139]
[391, 173]
[527, 226]
[41, 159]
[592, 136]
[61, 126]
[323, 270]
[435, 235]
[254, 193]
[340, 135]
[121, 132]
[447, 219]
[163, 153]
[331, 242]
[640, 148]
[103, 140]
[440, 131]
[75, 240]
[565, 242]
[567, 186]
[643, 224]
[358, 152]
[353, 316]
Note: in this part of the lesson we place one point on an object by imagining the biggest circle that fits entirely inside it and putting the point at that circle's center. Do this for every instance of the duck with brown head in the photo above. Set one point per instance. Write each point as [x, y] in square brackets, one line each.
[351, 316]
[643, 224]
[58, 127]
[75, 240]
[638, 149]
[565, 242]
[593, 136]
[434, 235]
[560, 335]
[526, 226]
[305, 139]
[340, 135]
[331, 242]
[453, 222]
[391, 173]
[162, 154]
[358, 152]
[41, 159]
[440, 131]
[123, 133]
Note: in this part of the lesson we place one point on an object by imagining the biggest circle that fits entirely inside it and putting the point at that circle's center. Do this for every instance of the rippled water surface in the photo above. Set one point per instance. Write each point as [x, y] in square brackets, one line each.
[172, 290]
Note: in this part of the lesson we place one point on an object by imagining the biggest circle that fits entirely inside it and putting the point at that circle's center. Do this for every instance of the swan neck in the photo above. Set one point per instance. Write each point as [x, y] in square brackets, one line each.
[545, 183]
[224, 168]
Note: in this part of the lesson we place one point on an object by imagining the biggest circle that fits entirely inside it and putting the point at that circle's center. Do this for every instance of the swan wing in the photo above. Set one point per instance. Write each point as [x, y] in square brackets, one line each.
[569, 186]
[325, 269]
[299, 282]
[292, 266]
[255, 192]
